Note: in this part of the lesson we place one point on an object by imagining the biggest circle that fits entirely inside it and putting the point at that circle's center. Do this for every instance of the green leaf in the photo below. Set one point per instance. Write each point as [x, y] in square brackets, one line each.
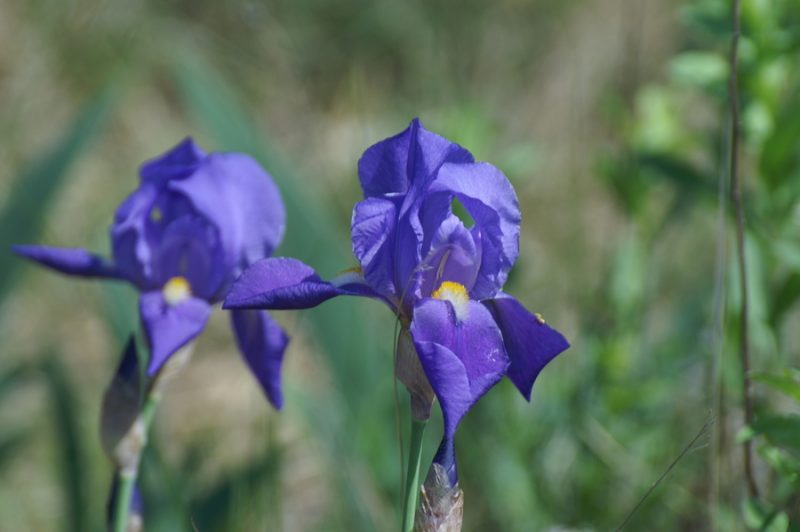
[36, 185]
[780, 430]
[11, 443]
[703, 69]
[786, 382]
[681, 174]
[781, 152]
[70, 443]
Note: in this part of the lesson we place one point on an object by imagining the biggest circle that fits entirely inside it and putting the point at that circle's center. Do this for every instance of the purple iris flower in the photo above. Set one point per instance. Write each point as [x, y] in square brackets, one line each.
[441, 276]
[194, 224]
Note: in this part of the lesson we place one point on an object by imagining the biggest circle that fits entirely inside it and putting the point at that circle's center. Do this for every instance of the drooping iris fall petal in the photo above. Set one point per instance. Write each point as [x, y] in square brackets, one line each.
[169, 326]
[262, 343]
[530, 342]
[461, 351]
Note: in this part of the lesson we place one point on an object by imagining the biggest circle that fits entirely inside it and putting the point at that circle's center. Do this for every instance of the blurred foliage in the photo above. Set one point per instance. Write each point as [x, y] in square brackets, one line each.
[634, 261]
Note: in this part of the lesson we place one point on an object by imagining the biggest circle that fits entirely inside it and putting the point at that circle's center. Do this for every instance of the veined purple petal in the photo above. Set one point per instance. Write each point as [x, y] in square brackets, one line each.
[178, 162]
[279, 283]
[491, 201]
[373, 229]
[412, 156]
[234, 193]
[170, 327]
[382, 168]
[233, 201]
[262, 343]
[189, 247]
[72, 261]
[452, 254]
[282, 283]
[131, 242]
[530, 342]
[463, 356]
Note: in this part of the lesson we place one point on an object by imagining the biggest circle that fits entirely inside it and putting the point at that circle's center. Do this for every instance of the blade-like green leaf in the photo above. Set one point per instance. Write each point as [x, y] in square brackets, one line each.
[71, 446]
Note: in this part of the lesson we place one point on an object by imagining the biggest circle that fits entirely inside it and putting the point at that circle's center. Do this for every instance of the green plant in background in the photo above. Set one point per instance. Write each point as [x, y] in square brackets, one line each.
[676, 156]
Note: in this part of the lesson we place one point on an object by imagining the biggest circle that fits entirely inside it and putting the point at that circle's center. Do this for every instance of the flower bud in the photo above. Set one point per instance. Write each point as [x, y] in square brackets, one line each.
[441, 507]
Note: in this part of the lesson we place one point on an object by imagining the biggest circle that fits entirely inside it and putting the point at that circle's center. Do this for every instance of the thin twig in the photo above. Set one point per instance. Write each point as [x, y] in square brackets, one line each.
[736, 196]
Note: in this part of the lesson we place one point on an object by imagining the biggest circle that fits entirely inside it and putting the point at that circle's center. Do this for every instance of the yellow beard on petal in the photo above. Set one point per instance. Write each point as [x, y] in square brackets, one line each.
[176, 290]
[457, 295]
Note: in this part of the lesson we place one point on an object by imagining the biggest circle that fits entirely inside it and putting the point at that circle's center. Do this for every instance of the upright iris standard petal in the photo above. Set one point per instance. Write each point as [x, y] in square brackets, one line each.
[491, 201]
[72, 261]
[133, 236]
[262, 343]
[190, 247]
[530, 342]
[391, 166]
[373, 228]
[452, 253]
[177, 163]
[169, 326]
[234, 193]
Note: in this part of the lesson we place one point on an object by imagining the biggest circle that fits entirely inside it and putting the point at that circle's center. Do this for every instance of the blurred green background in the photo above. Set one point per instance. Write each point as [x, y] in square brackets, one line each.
[610, 118]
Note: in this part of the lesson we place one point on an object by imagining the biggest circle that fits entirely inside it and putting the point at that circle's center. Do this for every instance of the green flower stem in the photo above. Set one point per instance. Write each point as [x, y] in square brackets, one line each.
[412, 475]
[126, 479]
[122, 506]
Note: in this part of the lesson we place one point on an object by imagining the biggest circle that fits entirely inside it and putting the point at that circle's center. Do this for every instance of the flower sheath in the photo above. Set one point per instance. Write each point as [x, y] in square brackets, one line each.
[195, 222]
[443, 278]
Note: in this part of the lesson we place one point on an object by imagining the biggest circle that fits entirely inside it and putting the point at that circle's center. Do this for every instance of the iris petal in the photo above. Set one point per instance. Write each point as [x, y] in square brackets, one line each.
[373, 228]
[530, 342]
[170, 327]
[178, 162]
[392, 165]
[131, 242]
[462, 359]
[262, 343]
[72, 261]
[234, 193]
[282, 283]
[491, 201]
